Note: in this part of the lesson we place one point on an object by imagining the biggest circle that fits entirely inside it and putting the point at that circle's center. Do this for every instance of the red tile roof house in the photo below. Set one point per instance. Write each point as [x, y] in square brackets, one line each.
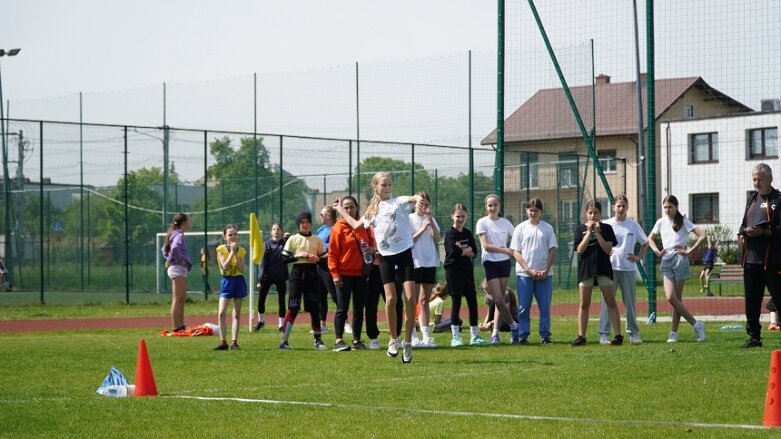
[546, 157]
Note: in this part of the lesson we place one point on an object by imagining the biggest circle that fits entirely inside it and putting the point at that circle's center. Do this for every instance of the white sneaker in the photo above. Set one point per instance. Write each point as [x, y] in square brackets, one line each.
[604, 339]
[425, 343]
[415, 342]
[673, 338]
[393, 350]
[374, 344]
[348, 329]
[635, 339]
[699, 330]
[406, 355]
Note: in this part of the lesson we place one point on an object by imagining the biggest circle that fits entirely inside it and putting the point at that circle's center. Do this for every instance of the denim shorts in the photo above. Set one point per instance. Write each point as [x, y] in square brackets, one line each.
[676, 267]
[176, 270]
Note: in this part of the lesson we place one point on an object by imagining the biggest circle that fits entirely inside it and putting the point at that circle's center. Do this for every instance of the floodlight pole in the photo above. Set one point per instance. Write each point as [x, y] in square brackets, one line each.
[6, 180]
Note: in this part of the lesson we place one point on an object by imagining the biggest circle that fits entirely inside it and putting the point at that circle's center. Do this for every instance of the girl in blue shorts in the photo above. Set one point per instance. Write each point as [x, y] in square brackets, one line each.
[230, 257]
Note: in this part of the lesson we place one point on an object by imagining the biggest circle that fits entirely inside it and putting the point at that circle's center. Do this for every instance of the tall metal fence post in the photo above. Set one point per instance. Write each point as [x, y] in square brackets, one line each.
[205, 206]
[499, 160]
[651, 152]
[126, 201]
[40, 189]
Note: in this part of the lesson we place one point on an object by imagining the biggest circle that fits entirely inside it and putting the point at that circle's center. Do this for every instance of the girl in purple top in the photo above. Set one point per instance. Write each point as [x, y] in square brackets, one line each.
[178, 265]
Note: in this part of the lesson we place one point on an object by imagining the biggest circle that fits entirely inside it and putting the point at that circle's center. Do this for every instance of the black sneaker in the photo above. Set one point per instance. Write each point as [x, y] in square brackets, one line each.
[523, 340]
[580, 341]
[546, 341]
[285, 346]
[341, 346]
[618, 340]
[752, 343]
[358, 345]
[259, 326]
[234, 346]
[320, 346]
[223, 346]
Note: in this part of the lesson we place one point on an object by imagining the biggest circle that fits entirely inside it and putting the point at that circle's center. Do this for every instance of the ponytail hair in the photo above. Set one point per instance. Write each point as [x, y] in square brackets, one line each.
[678, 218]
[176, 224]
[374, 203]
[458, 207]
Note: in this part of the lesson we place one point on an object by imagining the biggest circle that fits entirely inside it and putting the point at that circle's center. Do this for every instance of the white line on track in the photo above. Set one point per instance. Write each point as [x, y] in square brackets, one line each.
[475, 414]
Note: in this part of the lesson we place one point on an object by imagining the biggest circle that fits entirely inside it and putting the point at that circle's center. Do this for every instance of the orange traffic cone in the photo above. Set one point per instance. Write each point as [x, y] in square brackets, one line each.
[773, 399]
[145, 378]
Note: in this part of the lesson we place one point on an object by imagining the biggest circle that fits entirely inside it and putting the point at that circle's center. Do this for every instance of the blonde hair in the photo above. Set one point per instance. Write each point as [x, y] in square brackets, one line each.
[374, 203]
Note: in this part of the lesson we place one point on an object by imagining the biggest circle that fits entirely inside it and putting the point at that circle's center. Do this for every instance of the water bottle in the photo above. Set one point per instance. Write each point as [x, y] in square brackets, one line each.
[113, 391]
[368, 257]
[731, 328]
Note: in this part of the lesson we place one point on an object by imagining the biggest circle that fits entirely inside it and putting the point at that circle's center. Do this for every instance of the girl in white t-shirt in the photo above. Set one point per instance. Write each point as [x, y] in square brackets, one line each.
[534, 244]
[623, 258]
[675, 229]
[425, 234]
[390, 219]
[494, 233]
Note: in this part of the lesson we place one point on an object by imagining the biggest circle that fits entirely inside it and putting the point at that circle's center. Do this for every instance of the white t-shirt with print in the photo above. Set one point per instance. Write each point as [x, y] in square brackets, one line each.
[391, 226]
[424, 250]
[535, 243]
[498, 232]
[628, 233]
[671, 238]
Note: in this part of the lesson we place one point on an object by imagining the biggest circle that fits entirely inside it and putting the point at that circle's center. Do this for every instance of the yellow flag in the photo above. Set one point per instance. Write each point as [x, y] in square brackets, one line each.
[255, 239]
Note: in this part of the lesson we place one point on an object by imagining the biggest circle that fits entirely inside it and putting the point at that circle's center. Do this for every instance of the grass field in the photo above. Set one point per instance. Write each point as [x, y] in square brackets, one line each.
[710, 389]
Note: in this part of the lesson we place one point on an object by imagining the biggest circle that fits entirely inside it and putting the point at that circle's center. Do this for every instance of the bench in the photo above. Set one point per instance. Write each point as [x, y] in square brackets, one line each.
[724, 274]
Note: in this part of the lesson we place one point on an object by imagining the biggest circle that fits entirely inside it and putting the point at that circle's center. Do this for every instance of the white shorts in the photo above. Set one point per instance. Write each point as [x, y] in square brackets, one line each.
[177, 270]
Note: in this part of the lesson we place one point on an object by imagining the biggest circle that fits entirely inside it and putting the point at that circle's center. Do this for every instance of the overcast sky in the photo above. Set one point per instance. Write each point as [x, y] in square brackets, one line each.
[413, 57]
[97, 45]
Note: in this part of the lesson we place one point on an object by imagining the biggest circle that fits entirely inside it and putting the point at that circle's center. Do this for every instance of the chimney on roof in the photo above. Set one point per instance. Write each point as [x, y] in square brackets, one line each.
[603, 79]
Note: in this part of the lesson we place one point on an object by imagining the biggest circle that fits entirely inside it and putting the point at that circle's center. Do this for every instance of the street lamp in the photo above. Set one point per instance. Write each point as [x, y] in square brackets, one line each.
[6, 180]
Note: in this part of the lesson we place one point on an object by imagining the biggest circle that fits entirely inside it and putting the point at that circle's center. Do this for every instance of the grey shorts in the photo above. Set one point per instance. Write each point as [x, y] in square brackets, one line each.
[676, 267]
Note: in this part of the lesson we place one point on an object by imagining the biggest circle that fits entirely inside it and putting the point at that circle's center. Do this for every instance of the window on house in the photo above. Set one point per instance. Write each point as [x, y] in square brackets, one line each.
[688, 111]
[703, 148]
[568, 170]
[530, 164]
[568, 214]
[607, 159]
[705, 208]
[763, 143]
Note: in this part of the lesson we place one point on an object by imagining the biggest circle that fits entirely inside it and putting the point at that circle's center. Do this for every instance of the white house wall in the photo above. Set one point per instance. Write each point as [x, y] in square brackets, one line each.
[730, 176]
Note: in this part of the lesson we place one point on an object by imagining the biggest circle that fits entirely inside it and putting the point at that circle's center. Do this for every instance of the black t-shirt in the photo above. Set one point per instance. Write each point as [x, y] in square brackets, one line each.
[594, 261]
[756, 247]
[454, 242]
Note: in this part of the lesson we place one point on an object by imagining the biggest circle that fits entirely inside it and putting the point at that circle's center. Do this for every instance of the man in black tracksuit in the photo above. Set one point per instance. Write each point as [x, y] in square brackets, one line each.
[761, 235]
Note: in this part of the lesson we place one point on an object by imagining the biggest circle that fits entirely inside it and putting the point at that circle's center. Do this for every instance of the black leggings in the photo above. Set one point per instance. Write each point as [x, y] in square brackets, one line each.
[281, 286]
[355, 287]
[461, 284]
[373, 294]
[326, 289]
[755, 279]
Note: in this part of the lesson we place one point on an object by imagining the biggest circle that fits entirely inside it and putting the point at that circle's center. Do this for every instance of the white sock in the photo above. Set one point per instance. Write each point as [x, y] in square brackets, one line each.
[414, 332]
[474, 330]
[281, 321]
[262, 318]
[425, 330]
[495, 331]
[454, 330]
